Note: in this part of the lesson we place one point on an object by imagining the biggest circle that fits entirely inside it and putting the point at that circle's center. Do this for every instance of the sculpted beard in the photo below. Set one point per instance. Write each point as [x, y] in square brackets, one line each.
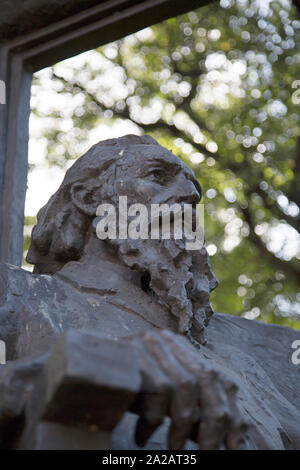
[179, 279]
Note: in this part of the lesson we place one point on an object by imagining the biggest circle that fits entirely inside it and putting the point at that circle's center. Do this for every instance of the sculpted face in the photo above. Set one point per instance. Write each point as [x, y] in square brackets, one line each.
[153, 175]
[145, 172]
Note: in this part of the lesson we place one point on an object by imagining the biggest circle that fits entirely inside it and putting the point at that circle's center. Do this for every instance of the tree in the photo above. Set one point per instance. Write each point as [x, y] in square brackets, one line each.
[215, 86]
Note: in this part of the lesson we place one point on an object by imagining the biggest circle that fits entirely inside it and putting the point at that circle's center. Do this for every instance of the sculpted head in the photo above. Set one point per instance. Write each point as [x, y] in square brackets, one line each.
[147, 173]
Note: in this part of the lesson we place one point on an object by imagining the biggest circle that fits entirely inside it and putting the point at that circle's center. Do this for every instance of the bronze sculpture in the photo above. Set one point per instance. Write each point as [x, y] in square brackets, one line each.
[148, 299]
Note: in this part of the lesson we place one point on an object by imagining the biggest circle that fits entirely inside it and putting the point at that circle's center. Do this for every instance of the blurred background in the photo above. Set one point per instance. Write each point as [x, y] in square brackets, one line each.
[220, 88]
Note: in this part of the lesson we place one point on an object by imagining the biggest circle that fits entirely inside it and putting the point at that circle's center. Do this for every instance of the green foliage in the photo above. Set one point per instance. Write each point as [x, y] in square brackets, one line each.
[215, 87]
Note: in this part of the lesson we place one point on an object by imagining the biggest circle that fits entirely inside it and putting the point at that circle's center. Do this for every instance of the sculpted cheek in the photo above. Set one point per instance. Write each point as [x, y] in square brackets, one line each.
[138, 191]
[144, 190]
[124, 187]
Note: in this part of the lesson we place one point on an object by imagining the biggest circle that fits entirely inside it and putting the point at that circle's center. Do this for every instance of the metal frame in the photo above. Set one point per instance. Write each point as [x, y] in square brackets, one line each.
[22, 56]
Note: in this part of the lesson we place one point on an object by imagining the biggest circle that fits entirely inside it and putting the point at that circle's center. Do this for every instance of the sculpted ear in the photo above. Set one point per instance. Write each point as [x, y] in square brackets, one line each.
[84, 199]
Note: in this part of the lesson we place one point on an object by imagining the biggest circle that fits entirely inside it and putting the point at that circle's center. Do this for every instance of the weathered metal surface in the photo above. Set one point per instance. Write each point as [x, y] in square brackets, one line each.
[129, 299]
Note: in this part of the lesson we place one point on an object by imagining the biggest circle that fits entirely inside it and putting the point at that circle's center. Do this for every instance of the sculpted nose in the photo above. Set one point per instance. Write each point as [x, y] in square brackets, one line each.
[188, 193]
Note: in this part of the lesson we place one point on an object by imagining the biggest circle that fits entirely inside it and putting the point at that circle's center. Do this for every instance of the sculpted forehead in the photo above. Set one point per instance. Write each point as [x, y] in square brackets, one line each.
[130, 157]
[142, 155]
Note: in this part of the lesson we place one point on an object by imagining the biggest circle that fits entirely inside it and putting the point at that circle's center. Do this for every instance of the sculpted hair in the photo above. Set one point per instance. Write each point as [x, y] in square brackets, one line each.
[60, 233]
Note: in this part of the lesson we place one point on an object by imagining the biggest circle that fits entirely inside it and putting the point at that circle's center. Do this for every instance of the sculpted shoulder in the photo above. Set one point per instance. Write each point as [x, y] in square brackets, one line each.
[252, 334]
[11, 280]
[251, 346]
[27, 318]
[16, 281]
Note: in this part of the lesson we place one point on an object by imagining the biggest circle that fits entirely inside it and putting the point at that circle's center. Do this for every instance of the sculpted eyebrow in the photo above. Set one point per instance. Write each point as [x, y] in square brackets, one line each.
[174, 166]
[168, 165]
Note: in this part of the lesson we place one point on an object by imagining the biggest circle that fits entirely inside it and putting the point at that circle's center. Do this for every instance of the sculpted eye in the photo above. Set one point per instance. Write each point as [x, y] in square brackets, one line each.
[159, 176]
